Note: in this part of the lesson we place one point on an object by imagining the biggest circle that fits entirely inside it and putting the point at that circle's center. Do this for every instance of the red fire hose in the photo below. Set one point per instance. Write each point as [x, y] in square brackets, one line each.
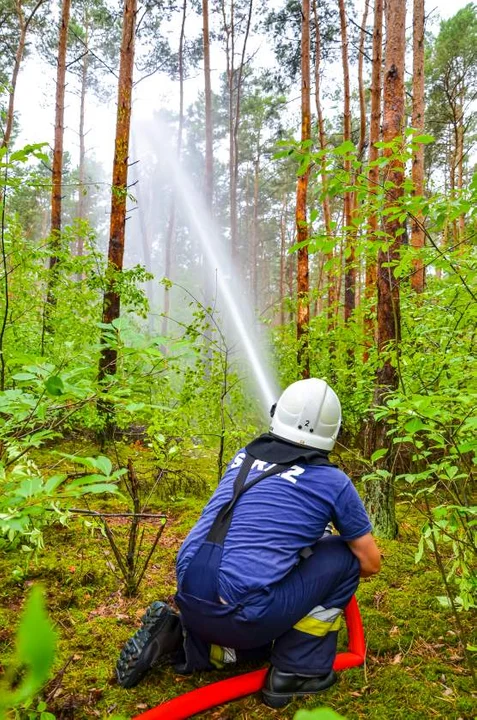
[204, 698]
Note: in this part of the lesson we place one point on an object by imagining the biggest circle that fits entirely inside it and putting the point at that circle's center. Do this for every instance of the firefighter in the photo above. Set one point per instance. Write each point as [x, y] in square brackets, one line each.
[258, 575]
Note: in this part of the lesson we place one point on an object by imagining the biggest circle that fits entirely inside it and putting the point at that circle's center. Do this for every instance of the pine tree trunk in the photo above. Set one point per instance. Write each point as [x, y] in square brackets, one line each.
[57, 170]
[373, 176]
[254, 234]
[283, 238]
[360, 152]
[417, 229]
[16, 69]
[209, 153]
[143, 207]
[229, 33]
[362, 99]
[380, 493]
[303, 307]
[111, 303]
[235, 81]
[236, 121]
[171, 229]
[460, 164]
[291, 269]
[331, 279]
[209, 144]
[23, 25]
[13, 82]
[350, 268]
[82, 148]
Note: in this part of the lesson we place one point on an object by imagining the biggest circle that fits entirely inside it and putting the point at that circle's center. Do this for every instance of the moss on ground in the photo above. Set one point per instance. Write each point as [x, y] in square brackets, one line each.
[414, 669]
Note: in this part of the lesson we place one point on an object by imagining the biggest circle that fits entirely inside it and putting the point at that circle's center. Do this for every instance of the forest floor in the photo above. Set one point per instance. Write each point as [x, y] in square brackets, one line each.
[415, 667]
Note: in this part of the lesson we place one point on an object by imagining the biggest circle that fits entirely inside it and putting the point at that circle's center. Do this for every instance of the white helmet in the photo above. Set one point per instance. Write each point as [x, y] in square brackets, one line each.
[308, 413]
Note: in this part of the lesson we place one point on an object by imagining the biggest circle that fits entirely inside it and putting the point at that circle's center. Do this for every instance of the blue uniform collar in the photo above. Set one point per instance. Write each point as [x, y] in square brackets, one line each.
[273, 449]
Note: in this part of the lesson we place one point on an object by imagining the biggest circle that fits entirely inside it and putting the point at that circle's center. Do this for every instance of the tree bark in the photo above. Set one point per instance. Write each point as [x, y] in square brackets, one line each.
[291, 263]
[373, 176]
[144, 205]
[360, 153]
[234, 83]
[254, 234]
[283, 238]
[236, 121]
[380, 493]
[350, 261]
[171, 229]
[57, 170]
[23, 27]
[331, 279]
[57, 167]
[111, 302]
[362, 99]
[303, 305]
[229, 32]
[417, 229]
[82, 146]
[460, 164]
[209, 153]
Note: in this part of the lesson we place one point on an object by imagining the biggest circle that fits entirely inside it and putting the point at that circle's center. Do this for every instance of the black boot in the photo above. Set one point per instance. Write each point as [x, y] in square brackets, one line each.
[281, 687]
[159, 637]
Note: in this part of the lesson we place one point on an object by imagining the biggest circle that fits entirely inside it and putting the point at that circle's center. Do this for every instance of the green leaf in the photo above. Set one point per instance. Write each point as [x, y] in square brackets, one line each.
[85, 480]
[420, 551]
[36, 643]
[53, 482]
[345, 148]
[104, 464]
[318, 714]
[101, 488]
[423, 139]
[30, 486]
[54, 385]
[413, 425]
[134, 407]
[378, 454]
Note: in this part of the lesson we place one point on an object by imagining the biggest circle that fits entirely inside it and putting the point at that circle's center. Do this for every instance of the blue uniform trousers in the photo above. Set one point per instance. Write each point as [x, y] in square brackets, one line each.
[298, 617]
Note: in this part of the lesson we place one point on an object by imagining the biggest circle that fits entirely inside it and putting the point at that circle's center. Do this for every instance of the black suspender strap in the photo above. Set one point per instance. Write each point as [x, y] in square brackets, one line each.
[221, 524]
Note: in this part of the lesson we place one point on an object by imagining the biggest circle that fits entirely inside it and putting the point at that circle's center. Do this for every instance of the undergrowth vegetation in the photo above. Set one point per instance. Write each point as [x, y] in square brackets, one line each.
[100, 479]
[415, 665]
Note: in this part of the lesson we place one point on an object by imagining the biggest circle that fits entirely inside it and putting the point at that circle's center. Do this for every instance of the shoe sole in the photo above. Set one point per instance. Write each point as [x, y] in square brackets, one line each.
[129, 669]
